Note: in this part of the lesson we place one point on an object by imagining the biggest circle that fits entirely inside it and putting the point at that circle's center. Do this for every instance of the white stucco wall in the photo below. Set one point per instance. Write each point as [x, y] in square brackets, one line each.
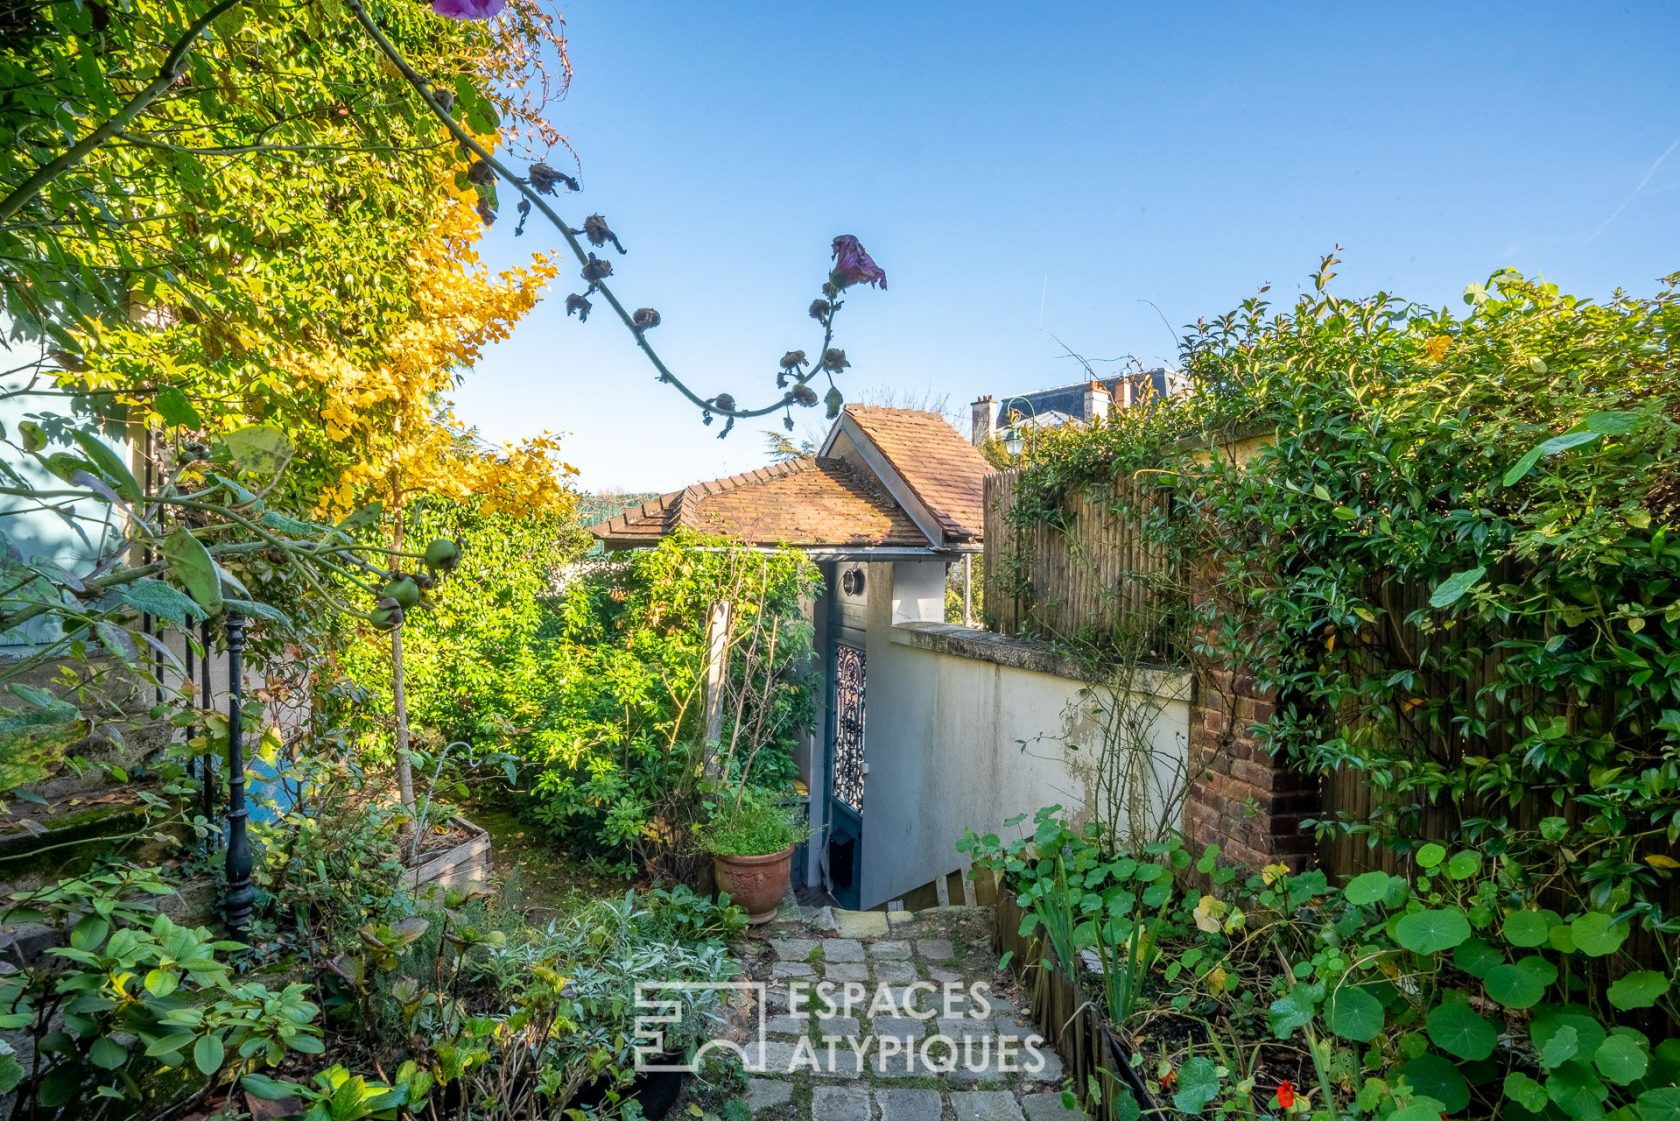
[958, 741]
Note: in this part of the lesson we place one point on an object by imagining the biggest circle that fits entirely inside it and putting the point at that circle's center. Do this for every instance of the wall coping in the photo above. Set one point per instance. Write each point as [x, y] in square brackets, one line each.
[1029, 655]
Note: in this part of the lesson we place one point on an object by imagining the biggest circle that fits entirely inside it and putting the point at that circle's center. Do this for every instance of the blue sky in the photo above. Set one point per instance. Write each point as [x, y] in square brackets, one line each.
[1024, 171]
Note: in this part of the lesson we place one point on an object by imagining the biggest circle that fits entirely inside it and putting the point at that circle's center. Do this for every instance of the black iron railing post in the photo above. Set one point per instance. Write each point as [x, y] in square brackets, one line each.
[207, 761]
[239, 892]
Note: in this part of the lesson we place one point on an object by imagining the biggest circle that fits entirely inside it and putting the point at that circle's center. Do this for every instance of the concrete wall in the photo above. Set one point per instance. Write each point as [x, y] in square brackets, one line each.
[966, 729]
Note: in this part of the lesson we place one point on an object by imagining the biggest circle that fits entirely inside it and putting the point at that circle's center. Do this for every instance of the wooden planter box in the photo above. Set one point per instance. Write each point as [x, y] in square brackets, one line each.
[1095, 1058]
[466, 863]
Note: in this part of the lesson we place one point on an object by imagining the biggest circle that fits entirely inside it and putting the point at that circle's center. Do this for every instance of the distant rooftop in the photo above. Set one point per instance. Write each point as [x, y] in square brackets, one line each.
[1078, 403]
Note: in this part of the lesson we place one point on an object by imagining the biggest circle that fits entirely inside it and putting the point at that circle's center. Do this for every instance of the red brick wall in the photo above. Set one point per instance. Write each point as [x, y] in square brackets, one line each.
[1240, 797]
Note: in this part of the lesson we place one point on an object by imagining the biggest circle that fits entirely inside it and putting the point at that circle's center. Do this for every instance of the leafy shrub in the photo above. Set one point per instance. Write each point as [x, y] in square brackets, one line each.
[617, 759]
[750, 824]
[473, 660]
[133, 1007]
[1449, 993]
[1451, 555]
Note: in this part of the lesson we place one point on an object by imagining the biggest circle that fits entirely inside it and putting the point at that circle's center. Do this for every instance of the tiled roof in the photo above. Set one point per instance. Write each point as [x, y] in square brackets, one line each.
[941, 468]
[810, 502]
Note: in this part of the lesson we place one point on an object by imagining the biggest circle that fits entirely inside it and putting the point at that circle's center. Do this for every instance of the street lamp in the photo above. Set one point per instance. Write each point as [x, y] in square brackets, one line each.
[1015, 442]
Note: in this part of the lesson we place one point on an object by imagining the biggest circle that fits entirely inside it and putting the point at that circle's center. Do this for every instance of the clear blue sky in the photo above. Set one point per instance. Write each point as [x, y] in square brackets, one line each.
[1028, 170]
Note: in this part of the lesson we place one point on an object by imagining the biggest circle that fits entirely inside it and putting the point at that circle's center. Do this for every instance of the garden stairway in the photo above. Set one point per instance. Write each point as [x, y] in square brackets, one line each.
[937, 965]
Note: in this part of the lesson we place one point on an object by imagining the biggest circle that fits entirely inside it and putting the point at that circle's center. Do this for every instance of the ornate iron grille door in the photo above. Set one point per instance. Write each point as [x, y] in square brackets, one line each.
[849, 765]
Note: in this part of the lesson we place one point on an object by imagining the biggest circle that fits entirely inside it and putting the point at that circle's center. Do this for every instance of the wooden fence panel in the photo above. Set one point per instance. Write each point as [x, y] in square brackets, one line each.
[1092, 573]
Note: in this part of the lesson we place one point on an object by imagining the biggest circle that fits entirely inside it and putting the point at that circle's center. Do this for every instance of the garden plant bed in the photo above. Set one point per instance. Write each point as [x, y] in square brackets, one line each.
[454, 854]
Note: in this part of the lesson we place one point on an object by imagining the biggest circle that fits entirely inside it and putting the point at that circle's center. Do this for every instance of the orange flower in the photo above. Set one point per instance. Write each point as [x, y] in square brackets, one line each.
[1286, 1094]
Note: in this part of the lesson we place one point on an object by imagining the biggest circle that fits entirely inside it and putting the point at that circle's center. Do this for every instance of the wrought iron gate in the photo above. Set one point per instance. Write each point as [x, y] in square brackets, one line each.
[849, 765]
[848, 770]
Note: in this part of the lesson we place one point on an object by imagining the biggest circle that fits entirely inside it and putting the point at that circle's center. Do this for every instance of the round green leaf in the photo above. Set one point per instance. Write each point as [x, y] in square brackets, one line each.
[1460, 1032]
[1528, 928]
[1476, 957]
[1622, 1060]
[1430, 932]
[1596, 935]
[1440, 1079]
[1521, 984]
[1430, 855]
[1577, 1090]
[1421, 1108]
[1371, 887]
[1551, 1021]
[1638, 990]
[1353, 1013]
[1464, 864]
[1560, 1047]
[1659, 1105]
[1526, 1092]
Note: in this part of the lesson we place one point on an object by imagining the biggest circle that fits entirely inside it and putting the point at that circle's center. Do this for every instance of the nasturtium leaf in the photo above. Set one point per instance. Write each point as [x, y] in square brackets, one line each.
[1662, 1104]
[1596, 934]
[1453, 588]
[1576, 1090]
[1198, 1084]
[176, 409]
[190, 563]
[1561, 1046]
[1431, 855]
[1476, 957]
[1460, 1032]
[1430, 932]
[1551, 1020]
[1353, 1013]
[1369, 887]
[1295, 1011]
[1528, 928]
[1637, 990]
[1439, 1079]
[1522, 983]
[1420, 1108]
[1464, 864]
[1526, 1092]
[1622, 1060]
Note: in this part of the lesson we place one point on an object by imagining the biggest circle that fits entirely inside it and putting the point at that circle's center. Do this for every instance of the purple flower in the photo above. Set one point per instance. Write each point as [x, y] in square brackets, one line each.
[852, 264]
[468, 9]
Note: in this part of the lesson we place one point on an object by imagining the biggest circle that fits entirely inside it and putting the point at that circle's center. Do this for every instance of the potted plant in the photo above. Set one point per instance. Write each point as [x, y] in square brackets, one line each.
[751, 837]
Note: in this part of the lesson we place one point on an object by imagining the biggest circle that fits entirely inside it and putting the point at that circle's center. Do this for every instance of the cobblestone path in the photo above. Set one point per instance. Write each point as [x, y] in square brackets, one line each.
[871, 1016]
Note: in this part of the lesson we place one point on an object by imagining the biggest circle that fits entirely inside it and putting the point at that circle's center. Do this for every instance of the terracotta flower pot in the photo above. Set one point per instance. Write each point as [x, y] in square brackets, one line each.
[757, 883]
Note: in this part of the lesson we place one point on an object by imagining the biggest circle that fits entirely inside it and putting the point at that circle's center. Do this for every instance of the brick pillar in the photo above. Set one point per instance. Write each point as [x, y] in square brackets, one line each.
[1241, 797]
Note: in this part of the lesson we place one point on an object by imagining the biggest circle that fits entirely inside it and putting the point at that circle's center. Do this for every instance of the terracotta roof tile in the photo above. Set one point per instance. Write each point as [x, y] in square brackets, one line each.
[812, 502]
[942, 468]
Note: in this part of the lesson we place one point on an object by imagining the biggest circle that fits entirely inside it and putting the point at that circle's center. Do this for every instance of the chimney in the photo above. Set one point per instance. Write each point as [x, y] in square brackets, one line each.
[1097, 401]
[982, 420]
